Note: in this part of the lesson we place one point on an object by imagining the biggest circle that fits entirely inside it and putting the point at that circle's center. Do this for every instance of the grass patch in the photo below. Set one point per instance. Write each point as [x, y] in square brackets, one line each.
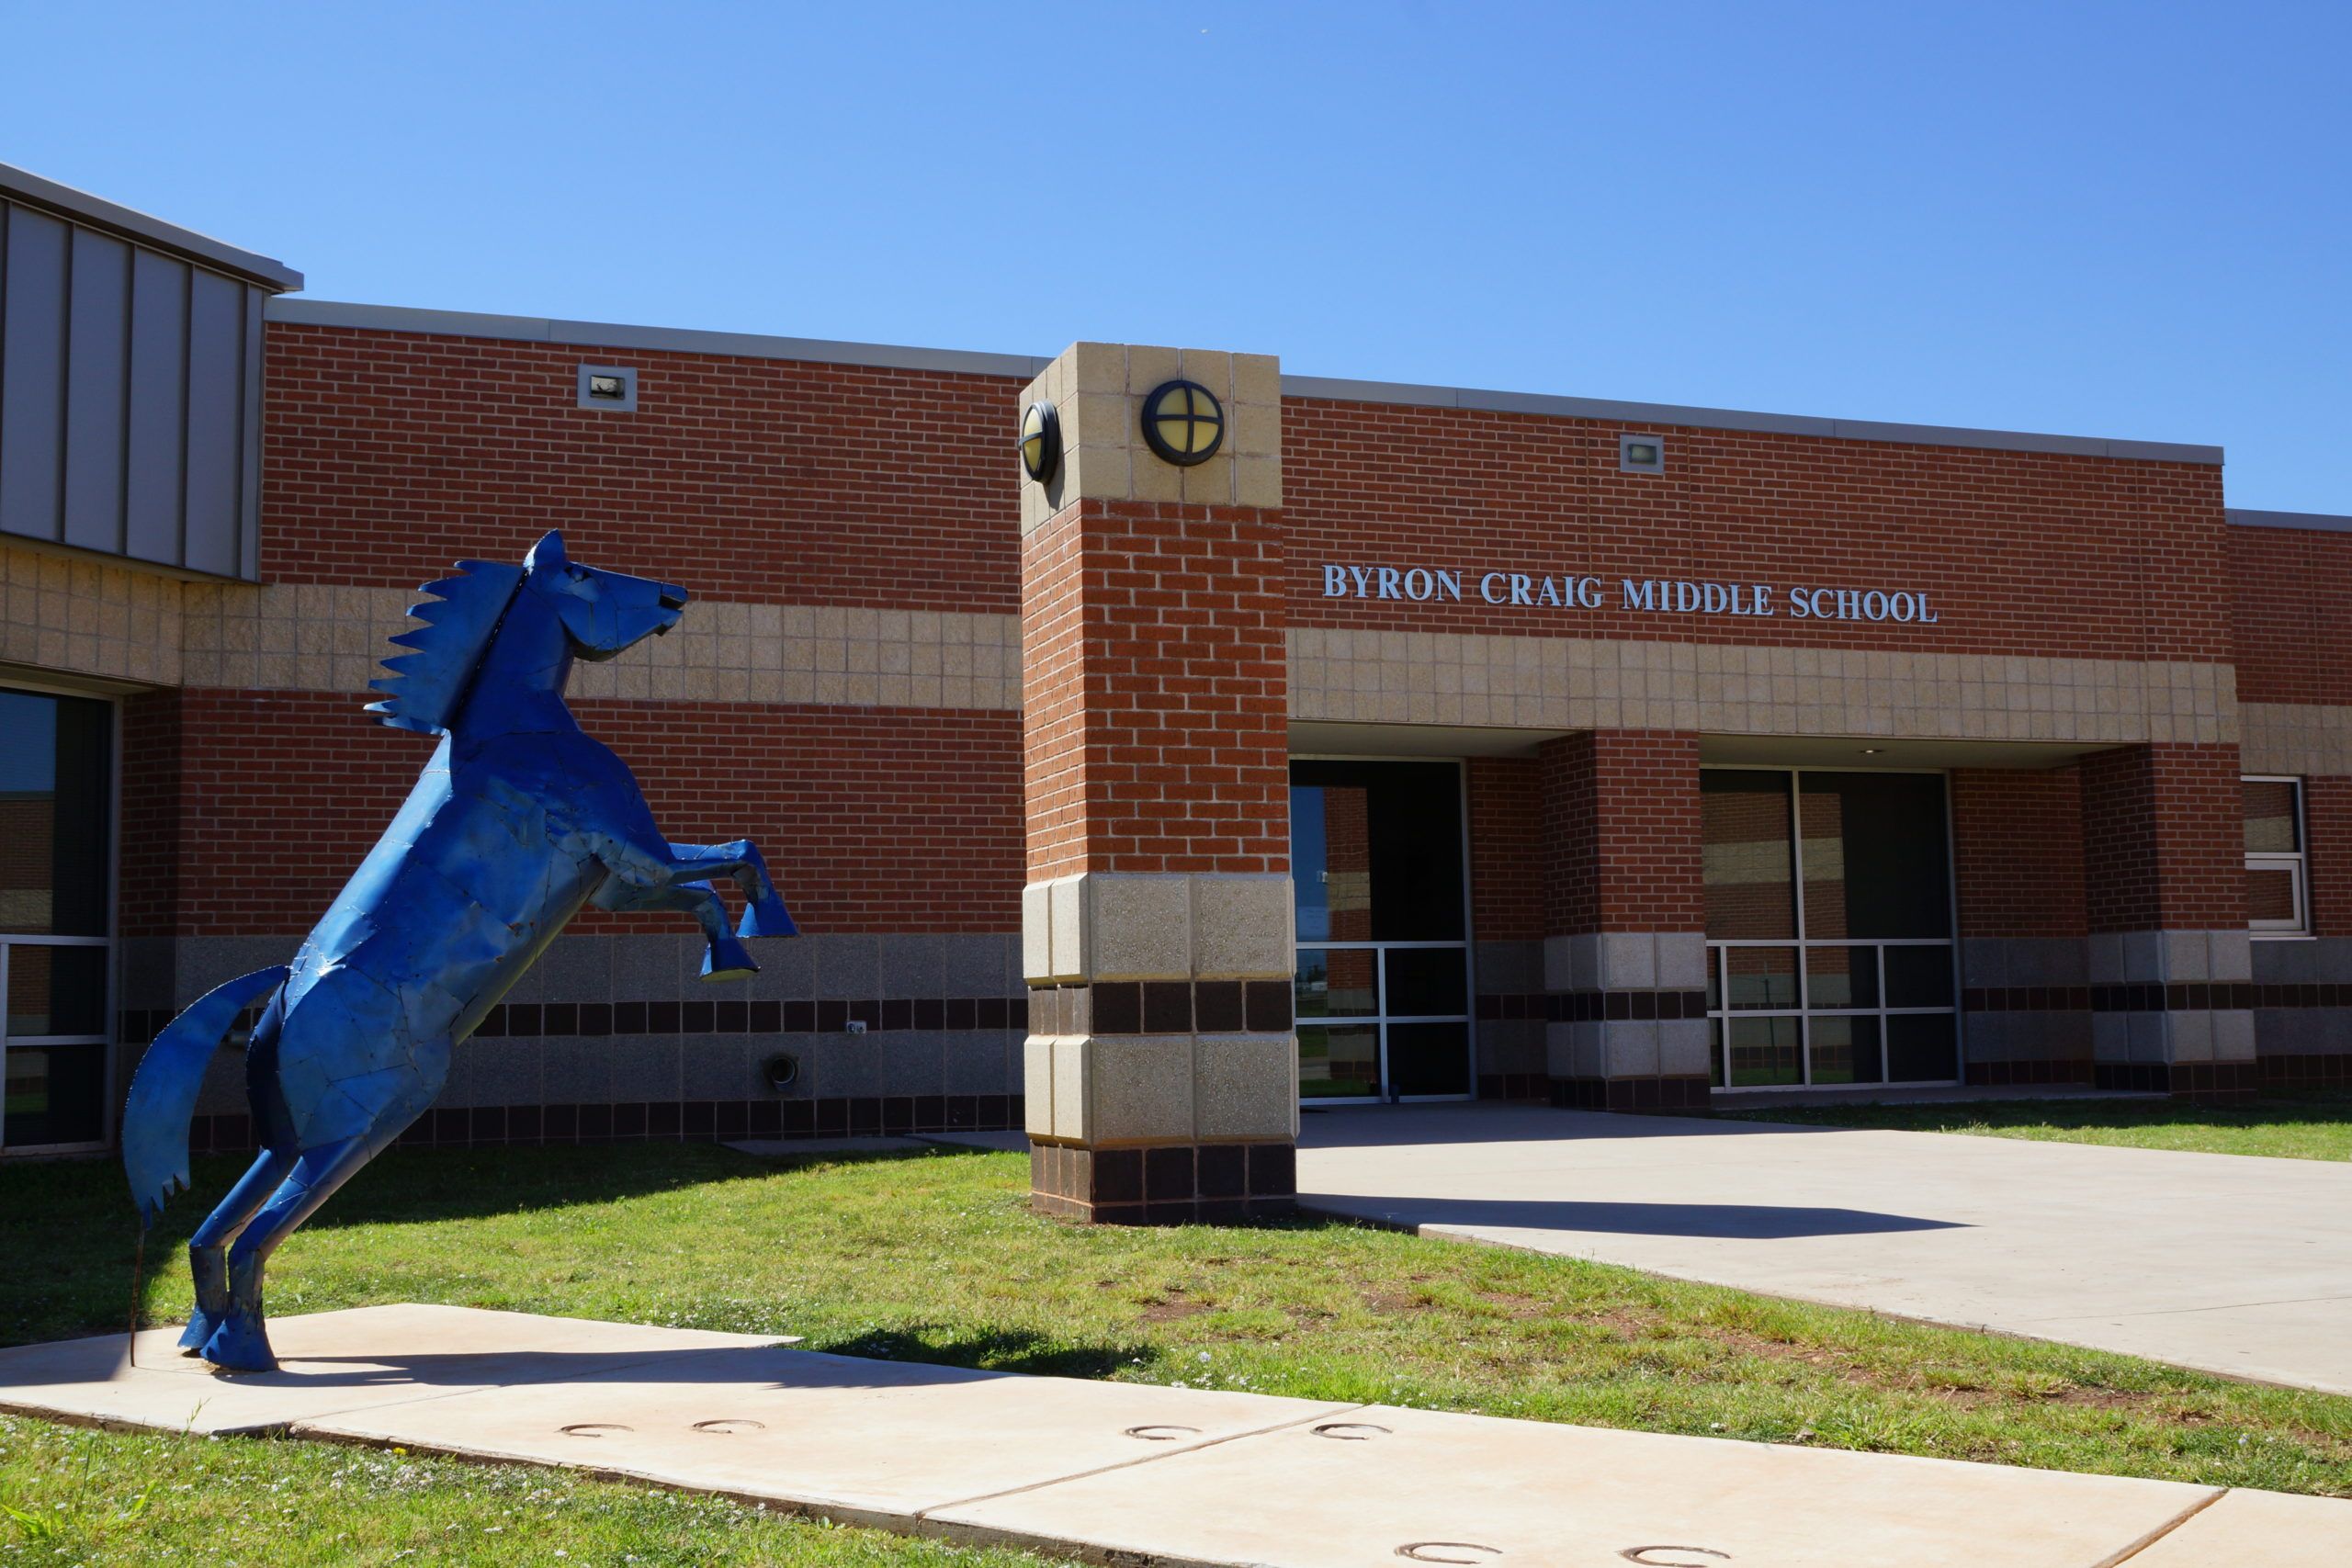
[2287, 1124]
[936, 1257]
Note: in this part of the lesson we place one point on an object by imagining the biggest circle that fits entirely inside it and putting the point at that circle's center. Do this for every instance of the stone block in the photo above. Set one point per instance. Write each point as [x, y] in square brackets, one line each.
[2106, 958]
[2148, 1042]
[1038, 1084]
[973, 963]
[1070, 1087]
[1036, 932]
[1138, 927]
[1507, 965]
[2189, 1036]
[1682, 961]
[2186, 957]
[1241, 927]
[1138, 1087]
[1628, 961]
[1244, 1086]
[2230, 955]
[1559, 963]
[2143, 958]
[1067, 923]
[912, 964]
[1683, 1047]
[1631, 1049]
[2232, 1035]
[1559, 1050]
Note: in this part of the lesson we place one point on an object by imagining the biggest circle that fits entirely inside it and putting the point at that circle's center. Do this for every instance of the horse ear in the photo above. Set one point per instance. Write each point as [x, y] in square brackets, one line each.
[549, 551]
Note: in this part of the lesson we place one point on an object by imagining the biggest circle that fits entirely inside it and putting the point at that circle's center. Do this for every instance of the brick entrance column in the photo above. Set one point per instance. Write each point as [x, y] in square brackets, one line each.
[1161, 1070]
[1625, 959]
[2171, 963]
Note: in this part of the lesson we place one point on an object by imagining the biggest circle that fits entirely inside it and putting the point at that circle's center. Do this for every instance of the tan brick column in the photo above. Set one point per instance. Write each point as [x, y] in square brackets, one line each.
[1161, 1070]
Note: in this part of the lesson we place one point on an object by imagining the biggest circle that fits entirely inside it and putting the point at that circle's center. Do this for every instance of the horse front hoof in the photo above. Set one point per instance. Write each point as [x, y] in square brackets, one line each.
[200, 1328]
[767, 916]
[238, 1346]
[727, 961]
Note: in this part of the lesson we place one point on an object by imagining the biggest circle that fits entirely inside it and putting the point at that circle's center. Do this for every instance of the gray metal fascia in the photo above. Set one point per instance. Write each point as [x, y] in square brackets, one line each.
[23, 185]
[2324, 522]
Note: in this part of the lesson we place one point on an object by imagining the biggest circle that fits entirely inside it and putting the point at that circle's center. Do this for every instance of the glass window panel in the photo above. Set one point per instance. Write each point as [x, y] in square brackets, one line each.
[1764, 1052]
[1744, 828]
[1715, 1051]
[1337, 982]
[1919, 976]
[1337, 1061]
[57, 990]
[1841, 976]
[2270, 895]
[56, 1094]
[1921, 1048]
[1426, 982]
[1874, 855]
[1844, 1050]
[53, 814]
[1761, 976]
[2272, 826]
[1714, 980]
[1430, 1058]
[1381, 844]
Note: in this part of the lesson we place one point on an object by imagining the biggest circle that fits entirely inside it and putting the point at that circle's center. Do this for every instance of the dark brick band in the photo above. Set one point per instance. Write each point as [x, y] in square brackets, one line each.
[598, 1020]
[1591, 1006]
[1210, 1183]
[2214, 1080]
[2182, 997]
[1673, 1096]
[1163, 1007]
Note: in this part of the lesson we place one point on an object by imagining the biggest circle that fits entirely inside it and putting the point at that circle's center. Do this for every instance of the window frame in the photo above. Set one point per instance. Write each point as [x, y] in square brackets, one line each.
[2295, 862]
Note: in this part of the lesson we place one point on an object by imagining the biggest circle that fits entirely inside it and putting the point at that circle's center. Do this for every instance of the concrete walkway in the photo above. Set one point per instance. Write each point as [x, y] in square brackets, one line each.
[1139, 1474]
[2225, 1262]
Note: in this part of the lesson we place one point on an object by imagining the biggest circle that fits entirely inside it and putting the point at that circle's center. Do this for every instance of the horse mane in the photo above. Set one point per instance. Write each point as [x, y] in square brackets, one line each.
[423, 691]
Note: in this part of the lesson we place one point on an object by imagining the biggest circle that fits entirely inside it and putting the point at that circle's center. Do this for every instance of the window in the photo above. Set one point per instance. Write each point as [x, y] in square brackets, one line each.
[1829, 948]
[55, 809]
[2276, 899]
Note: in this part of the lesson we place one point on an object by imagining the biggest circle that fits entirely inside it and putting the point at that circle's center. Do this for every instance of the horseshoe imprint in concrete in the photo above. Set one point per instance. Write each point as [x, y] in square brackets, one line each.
[1161, 1434]
[1437, 1551]
[1641, 1554]
[1350, 1431]
[593, 1428]
[725, 1424]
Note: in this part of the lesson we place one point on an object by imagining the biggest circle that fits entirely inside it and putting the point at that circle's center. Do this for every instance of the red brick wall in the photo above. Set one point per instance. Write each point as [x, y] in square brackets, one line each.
[889, 819]
[1505, 839]
[2163, 839]
[2327, 826]
[2017, 851]
[2020, 553]
[2291, 601]
[147, 897]
[389, 454]
[1621, 833]
[1154, 690]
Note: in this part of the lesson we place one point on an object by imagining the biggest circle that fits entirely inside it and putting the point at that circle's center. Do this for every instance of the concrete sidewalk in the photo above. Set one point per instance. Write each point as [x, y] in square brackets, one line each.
[2224, 1262]
[1135, 1473]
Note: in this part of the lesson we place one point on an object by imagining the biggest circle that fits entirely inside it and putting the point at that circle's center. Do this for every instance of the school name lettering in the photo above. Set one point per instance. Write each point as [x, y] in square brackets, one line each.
[1664, 596]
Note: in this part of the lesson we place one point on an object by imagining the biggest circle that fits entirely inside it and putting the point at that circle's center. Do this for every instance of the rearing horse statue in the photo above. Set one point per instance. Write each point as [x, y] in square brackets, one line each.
[518, 820]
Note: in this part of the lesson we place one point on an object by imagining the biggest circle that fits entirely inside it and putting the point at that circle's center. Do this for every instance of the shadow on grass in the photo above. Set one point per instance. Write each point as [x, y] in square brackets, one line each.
[993, 1351]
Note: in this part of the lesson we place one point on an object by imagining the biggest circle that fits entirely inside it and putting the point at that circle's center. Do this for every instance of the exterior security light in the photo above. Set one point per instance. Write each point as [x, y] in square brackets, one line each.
[610, 388]
[1641, 455]
[1041, 441]
[1183, 422]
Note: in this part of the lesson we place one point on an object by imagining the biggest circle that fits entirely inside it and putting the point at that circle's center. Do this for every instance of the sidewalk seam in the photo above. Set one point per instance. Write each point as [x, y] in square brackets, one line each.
[2162, 1531]
[1335, 1413]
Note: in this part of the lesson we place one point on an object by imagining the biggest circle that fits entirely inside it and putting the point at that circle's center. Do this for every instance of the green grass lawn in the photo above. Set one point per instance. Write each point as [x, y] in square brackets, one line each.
[2304, 1124]
[936, 1257]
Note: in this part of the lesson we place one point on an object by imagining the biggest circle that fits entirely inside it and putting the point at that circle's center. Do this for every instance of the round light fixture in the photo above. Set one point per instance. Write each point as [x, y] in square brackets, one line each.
[1183, 422]
[1041, 441]
[1872, 751]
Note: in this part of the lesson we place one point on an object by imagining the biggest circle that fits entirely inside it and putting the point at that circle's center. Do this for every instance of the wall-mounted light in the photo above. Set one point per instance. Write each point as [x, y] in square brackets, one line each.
[1641, 454]
[610, 388]
[1183, 422]
[1041, 441]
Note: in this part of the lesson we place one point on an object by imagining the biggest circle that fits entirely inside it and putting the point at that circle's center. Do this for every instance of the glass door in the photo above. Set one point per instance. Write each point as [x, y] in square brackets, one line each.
[1830, 929]
[56, 806]
[1384, 961]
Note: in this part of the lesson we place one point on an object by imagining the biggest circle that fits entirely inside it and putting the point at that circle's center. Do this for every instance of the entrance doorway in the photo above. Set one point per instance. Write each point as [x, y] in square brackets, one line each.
[1379, 864]
[1830, 958]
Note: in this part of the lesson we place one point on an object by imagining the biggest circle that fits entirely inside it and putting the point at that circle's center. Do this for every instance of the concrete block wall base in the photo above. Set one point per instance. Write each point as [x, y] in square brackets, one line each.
[2007, 1075]
[1132, 1473]
[2185, 1080]
[1678, 1096]
[1209, 1183]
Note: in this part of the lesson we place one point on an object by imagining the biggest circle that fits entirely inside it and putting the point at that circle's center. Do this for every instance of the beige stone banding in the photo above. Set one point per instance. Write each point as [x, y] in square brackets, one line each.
[1098, 389]
[1114, 1090]
[1402, 677]
[1101, 925]
[2302, 739]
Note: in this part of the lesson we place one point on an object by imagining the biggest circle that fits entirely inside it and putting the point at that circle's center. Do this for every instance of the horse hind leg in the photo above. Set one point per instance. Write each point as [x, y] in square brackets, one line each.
[239, 1343]
[208, 1249]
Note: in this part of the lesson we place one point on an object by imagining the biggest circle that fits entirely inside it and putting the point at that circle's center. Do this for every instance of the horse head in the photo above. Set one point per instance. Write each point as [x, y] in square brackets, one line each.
[603, 613]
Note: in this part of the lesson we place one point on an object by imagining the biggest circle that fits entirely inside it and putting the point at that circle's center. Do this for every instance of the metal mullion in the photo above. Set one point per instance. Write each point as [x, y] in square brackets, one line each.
[5, 943]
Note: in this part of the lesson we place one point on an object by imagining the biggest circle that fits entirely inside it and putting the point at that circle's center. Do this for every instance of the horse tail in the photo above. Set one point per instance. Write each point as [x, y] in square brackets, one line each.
[163, 1094]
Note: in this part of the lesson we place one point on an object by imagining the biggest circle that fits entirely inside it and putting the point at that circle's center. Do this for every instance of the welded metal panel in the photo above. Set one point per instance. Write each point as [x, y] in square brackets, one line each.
[97, 353]
[156, 483]
[215, 409]
[32, 378]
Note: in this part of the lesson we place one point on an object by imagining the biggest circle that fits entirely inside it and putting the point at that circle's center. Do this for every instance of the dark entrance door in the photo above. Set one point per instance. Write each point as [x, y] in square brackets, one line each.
[1384, 981]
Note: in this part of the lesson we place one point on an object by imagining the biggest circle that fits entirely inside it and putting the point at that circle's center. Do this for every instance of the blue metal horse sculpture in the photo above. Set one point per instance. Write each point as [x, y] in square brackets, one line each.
[518, 820]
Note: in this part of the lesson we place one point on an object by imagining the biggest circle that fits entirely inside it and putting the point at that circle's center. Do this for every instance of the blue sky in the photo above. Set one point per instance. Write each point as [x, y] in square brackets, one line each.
[2129, 220]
